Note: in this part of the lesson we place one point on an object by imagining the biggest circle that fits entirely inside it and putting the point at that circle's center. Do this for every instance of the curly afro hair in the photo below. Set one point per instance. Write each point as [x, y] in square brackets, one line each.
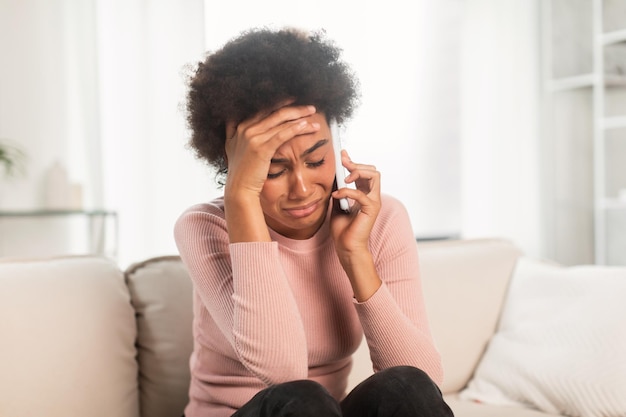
[256, 71]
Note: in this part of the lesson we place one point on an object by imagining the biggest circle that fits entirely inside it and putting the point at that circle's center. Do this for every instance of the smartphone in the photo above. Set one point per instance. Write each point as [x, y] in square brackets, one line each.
[340, 172]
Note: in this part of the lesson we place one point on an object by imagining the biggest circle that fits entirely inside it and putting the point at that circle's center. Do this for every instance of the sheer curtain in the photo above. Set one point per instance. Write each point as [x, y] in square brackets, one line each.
[148, 175]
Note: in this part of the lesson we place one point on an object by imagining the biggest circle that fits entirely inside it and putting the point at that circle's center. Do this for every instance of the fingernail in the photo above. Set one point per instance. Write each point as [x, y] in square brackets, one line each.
[311, 108]
[315, 125]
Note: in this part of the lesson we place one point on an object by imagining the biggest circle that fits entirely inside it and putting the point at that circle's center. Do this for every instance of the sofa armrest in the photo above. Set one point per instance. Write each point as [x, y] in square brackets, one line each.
[464, 282]
[67, 333]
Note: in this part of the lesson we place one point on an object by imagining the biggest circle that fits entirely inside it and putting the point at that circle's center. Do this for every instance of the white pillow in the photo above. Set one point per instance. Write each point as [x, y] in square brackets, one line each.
[561, 343]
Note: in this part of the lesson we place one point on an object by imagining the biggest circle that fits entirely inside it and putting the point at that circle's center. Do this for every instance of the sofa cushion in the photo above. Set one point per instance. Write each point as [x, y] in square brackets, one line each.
[464, 408]
[561, 343]
[67, 339]
[161, 293]
[464, 284]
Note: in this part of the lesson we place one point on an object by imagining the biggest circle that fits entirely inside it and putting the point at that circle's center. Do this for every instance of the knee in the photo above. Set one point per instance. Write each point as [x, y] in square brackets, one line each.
[300, 389]
[420, 393]
[400, 378]
[302, 397]
[397, 391]
[408, 377]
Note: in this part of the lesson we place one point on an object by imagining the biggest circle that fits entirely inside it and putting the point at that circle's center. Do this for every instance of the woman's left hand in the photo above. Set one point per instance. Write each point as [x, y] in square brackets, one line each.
[351, 231]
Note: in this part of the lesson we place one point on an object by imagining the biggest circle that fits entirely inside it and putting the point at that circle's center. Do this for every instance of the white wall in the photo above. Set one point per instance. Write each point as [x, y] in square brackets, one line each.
[500, 134]
[406, 58]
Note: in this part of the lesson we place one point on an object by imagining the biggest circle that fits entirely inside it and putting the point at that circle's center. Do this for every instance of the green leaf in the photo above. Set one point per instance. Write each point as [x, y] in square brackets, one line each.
[12, 160]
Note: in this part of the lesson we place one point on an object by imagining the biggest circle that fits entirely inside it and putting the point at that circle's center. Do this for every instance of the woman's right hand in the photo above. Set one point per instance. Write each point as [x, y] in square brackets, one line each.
[251, 145]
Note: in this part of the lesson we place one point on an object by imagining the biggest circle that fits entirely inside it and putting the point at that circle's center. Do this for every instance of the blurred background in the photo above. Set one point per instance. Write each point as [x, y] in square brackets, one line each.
[486, 117]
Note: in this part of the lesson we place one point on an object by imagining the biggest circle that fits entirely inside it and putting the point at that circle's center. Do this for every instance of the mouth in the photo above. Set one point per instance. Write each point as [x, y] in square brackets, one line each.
[303, 211]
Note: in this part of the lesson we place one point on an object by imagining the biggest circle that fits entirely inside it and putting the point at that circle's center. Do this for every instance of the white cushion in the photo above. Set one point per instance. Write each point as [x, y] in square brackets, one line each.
[463, 408]
[67, 333]
[561, 343]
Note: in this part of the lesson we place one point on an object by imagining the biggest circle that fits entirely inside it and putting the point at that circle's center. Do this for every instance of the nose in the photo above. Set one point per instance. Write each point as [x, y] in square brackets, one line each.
[299, 185]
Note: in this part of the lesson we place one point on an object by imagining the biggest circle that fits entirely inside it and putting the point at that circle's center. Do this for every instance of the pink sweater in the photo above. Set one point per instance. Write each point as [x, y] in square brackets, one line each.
[266, 313]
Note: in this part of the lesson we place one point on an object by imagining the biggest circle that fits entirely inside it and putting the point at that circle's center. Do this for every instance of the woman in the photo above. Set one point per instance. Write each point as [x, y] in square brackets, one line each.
[284, 285]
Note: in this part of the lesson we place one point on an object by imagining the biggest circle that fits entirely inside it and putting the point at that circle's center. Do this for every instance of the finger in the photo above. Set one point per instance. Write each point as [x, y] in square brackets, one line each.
[360, 171]
[266, 113]
[337, 207]
[365, 181]
[363, 174]
[283, 103]
[288, 114]
[360, 174]
[287, 131]
[347, 162]
[265, 120]
[279, 117]
[360, 200]
[369, 185]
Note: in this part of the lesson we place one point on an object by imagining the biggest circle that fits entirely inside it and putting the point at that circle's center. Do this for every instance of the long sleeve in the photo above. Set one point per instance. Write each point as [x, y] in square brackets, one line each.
[245, 291]
[394, 319]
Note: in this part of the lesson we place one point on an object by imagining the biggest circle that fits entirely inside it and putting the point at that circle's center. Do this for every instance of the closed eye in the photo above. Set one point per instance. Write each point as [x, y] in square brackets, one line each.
[272, 175]
[316, 164]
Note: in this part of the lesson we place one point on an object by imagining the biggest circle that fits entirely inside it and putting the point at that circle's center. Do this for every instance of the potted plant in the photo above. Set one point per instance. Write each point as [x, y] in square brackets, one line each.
[11, 159]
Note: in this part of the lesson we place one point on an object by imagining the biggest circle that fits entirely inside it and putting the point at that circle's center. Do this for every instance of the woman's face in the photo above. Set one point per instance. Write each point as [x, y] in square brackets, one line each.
[295, 196]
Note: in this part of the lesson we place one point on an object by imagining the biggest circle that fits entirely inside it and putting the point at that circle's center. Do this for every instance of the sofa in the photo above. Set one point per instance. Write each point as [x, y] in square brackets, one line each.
[81, 337]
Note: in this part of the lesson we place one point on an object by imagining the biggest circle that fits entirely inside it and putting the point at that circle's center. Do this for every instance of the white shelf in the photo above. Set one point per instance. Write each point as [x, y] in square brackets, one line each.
[571, 83]
[611, 38]
[611, 80]
[613, 204]
[584, 81]
[574, 41]
[617, 122]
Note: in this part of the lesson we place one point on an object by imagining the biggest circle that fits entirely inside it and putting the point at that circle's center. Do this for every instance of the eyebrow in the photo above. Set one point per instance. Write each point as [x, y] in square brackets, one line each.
[309, 151]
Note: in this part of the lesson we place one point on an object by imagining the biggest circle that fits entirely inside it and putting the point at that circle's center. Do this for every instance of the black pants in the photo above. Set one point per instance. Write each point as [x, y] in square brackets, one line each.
[402, 391]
